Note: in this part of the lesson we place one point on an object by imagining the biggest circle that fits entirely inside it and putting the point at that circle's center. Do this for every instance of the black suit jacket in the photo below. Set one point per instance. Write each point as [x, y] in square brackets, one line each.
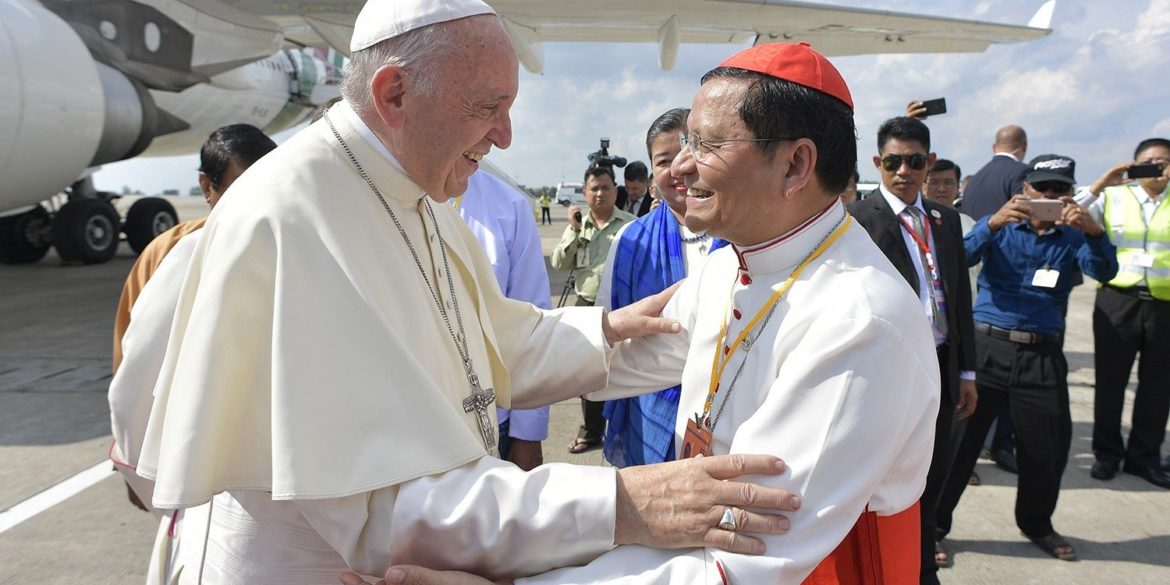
[623, 199]
[876, 216]
[991, 186]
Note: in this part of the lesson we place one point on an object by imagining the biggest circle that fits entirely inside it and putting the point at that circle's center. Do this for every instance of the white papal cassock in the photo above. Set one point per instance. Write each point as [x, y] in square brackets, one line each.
[311, 392]
[842, 384]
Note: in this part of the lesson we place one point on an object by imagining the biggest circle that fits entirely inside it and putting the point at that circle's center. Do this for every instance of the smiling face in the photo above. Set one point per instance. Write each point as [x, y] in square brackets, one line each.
[443, 136]
[671, 190]
[732, 191]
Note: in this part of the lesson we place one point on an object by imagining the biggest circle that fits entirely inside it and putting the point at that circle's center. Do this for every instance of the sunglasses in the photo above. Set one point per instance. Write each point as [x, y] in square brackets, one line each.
[1052, 187]
[893, 162]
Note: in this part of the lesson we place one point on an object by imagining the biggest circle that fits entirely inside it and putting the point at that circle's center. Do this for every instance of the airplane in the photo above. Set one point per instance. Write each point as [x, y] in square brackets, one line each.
[101, 81]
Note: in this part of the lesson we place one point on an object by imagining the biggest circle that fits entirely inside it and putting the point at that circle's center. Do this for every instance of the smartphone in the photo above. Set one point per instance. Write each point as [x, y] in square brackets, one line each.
[935, 107]
[1045, 209]
[1145, 171]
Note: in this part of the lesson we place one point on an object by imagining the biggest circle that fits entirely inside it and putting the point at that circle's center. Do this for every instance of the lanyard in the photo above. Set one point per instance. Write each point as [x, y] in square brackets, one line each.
[719, 364]
[458, 200]
[922, 245]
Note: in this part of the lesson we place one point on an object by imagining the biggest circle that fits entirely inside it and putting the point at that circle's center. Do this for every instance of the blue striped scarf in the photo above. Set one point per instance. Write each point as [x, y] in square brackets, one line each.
[648, 260]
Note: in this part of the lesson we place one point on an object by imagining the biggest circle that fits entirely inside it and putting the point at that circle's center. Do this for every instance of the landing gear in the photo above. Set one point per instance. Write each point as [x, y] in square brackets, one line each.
[25, 237]
[86, 231]
[147, 218]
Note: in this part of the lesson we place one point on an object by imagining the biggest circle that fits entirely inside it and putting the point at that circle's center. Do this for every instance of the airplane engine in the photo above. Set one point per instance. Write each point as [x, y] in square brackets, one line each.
[71, 113]
[56, 105]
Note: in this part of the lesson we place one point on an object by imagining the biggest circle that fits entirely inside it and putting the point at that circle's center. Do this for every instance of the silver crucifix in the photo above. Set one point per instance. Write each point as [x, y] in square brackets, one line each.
[479, 401]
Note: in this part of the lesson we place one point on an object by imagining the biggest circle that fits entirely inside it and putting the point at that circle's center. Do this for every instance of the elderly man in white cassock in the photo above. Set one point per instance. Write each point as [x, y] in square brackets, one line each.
[327, 398]
[800, 339]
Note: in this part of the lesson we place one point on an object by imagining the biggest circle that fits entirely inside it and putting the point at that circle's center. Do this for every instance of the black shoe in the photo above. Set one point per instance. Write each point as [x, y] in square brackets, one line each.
[1154, 476]
[1006, 460]
[1104, 470]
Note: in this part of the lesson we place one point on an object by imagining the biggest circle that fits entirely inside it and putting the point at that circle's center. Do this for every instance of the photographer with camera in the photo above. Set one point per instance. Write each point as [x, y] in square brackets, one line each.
[1132, 314]
[584, 246]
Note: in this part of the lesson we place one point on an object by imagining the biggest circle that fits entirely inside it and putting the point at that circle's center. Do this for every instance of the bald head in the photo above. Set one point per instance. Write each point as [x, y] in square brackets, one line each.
[1011, 139]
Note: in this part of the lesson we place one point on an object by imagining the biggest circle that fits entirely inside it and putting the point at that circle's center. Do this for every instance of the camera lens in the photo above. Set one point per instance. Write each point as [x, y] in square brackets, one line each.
[577, 216]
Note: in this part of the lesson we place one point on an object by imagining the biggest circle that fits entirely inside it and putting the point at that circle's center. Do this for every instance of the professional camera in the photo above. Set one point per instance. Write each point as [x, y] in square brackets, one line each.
[601, 158]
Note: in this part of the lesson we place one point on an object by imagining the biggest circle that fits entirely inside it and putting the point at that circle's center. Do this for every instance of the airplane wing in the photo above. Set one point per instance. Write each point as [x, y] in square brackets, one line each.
[832, 30]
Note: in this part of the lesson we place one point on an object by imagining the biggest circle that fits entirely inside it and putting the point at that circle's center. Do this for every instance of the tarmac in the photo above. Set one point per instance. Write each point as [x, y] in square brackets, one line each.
[54, 425]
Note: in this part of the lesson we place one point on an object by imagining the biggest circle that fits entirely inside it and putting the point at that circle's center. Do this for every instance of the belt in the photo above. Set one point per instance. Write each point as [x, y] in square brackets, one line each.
[1137, 292]
[1024, 337]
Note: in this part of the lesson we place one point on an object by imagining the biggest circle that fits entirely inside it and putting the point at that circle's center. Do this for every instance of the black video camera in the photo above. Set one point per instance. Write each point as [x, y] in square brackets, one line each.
[601, 158]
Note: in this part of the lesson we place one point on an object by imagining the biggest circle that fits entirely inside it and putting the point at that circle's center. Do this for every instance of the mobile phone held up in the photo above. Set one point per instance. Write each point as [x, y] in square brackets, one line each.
[1045, 209]
[1146, 171]
[935, 107]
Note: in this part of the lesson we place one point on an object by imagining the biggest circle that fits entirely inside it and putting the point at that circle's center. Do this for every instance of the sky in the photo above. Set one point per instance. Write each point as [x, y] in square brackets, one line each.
[1091, 90]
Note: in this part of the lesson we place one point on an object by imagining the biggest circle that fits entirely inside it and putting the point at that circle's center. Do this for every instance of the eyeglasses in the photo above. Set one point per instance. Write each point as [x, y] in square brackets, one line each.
[699, 147]
[937, 183]
[893, 162]
[1052, 187]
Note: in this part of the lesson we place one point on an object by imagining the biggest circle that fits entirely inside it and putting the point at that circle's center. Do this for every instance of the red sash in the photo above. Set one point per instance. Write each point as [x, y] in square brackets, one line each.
[879, 550]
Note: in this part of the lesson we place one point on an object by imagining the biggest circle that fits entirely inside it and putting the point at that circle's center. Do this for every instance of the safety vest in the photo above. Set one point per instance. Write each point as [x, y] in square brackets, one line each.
[1126, 225]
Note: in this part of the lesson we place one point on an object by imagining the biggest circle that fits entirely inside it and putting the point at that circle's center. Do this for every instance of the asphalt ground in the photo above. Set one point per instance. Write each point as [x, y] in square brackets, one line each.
[55, 325]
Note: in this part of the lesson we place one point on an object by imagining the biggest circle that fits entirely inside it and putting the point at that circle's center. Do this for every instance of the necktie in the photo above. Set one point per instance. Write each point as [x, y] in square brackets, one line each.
[938, 307]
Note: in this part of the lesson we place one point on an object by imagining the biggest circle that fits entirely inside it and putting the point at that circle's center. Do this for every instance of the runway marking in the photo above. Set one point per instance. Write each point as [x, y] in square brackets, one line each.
[13, 516]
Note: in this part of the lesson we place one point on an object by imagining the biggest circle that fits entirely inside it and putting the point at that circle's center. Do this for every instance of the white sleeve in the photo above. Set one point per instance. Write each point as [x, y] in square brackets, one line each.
[144, 345]
[649, 364]
[854, 433]
[1094, 204]
[488, 517]
[605, 289]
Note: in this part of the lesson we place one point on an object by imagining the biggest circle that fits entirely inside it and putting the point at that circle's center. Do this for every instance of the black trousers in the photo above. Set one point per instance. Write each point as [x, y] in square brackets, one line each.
[1033, 379]
[545, 215]
[940, 466]
[592, 413]
[1123, 326]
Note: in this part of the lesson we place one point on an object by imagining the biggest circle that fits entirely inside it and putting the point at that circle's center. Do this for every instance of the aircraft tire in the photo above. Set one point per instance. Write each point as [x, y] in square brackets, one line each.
[26, 237]
[86, 231]
[147, 218]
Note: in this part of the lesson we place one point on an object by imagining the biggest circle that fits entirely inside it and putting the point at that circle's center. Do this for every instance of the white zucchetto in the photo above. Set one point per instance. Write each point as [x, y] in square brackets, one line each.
[383, 19]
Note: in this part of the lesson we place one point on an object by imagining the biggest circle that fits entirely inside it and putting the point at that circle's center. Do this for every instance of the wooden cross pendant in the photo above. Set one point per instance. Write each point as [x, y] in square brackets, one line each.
[479, 401]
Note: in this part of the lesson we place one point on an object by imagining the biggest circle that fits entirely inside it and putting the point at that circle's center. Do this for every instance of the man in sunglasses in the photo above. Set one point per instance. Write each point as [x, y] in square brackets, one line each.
[1029, 267]
[923, 239]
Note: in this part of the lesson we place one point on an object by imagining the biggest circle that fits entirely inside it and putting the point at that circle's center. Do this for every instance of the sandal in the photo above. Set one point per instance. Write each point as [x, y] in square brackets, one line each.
[1055, 545]
[580, 445]
[942, 555]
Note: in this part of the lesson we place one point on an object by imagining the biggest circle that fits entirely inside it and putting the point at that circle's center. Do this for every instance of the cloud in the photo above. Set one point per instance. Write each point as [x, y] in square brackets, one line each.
[1092, 90]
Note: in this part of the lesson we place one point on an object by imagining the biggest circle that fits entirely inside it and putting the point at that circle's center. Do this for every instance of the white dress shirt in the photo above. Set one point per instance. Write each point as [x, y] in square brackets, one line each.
[501, 219]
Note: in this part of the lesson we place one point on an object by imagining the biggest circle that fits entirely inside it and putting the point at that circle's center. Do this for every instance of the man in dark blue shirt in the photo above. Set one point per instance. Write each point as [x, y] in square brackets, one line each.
[1029, 267]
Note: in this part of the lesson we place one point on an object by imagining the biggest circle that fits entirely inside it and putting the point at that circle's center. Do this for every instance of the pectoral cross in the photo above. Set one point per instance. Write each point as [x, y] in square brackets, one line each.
[479, 401]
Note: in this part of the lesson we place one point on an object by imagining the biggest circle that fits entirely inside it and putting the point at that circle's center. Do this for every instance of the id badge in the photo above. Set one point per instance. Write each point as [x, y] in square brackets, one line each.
[931, 268]
[1142, 259]
[1046, 278]
[696, 441]
[582, 256]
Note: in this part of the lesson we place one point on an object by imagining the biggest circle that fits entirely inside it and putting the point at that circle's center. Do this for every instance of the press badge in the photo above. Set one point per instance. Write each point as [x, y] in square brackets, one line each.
[1046, 278]
[582, 256]
[1142, 259]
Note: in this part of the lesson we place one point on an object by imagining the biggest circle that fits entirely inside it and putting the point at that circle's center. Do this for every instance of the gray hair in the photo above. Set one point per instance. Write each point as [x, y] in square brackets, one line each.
[417, 52]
